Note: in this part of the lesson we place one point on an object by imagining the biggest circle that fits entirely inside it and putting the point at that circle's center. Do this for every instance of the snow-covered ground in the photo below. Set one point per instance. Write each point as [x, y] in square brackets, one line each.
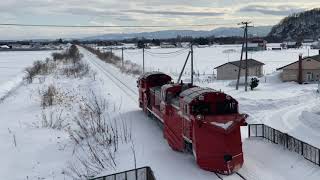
[32, 152]
[12, 65]
[206, 59]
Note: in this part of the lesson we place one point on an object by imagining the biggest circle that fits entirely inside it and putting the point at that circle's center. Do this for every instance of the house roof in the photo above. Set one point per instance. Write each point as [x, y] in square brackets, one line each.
[316, 58]
[251, 63]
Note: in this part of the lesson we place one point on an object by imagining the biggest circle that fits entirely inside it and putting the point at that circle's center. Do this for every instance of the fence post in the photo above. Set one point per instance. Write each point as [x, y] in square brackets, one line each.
[301, 148]
[256, 130]
[319, 157]
[249, 130]
[263, 130]
[274, 135]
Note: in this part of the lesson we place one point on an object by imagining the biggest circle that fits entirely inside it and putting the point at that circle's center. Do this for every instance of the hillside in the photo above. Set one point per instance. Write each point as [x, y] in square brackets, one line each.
[305, 25]
[219, 32]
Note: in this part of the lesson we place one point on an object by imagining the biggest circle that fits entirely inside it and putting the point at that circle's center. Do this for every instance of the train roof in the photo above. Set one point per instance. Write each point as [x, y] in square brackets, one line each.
[148, 74]
[192, 93]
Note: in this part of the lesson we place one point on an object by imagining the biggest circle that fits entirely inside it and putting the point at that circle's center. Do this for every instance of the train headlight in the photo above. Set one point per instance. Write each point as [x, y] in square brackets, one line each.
[199, 117]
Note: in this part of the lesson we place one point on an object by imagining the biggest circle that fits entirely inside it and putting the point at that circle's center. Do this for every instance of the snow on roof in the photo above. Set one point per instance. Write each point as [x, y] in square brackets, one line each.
[222, 125]
[147, 74]
[192, 93]
[250, 62]
[4, 47]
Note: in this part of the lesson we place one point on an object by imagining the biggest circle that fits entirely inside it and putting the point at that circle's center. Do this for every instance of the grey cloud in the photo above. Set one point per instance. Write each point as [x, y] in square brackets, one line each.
[270, 10]
[177, 13]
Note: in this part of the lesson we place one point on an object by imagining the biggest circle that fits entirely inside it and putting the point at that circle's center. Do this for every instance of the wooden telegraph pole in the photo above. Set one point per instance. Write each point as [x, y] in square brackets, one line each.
[122, 60]
[240, 64]
[245, 43]
[191, 52]
[143, 59]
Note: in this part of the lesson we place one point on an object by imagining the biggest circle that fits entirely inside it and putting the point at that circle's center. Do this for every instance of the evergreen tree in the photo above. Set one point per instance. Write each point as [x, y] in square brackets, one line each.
[254, 83]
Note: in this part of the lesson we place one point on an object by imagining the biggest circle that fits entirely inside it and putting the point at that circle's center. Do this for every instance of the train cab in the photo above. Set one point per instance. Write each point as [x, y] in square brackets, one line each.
[211, 121]
[151, 82]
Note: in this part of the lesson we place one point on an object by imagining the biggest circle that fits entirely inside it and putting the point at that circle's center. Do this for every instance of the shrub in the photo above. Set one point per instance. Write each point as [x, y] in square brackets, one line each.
[48, 97]
[76, 70]
[97, 137]
[39, 67]
[254, 83]
[53, 121]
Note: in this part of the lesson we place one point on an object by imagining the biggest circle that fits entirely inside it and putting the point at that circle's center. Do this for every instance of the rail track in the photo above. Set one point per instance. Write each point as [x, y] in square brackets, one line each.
[134, 96]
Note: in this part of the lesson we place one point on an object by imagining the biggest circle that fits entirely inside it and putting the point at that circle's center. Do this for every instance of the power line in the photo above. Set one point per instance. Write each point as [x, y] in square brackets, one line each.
[112, 26]
[173, 52]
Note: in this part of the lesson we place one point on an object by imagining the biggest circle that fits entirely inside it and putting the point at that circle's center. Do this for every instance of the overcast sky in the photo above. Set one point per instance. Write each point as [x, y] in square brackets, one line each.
[137, 12]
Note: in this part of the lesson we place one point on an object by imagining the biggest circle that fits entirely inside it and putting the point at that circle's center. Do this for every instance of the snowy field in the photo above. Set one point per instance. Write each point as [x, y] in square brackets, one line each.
[206, 59]
[12, 65]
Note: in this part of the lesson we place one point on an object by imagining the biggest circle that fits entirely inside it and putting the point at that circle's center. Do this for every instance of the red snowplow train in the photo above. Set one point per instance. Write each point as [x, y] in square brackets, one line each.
[200, 120]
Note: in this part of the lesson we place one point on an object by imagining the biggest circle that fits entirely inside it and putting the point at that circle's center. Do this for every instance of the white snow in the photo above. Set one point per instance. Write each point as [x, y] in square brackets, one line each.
[205, 59]
[12, 65]
[223, 125]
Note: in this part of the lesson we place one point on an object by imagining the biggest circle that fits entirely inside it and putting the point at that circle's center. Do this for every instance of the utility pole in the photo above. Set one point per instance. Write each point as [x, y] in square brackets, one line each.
[191, 63]
[111, 52]
[246, 79]
[246, 62]
[143, 59]
[184, 66]
[122, 56]
[240, 64]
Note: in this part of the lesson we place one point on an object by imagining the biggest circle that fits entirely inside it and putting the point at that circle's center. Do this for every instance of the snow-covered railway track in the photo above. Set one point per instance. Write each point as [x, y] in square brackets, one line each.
[234, 176]
[132, 94]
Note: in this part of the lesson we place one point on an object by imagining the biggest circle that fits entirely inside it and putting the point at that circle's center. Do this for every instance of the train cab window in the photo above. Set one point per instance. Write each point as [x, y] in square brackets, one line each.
[185, 109]
[203, 109]
[227, 107]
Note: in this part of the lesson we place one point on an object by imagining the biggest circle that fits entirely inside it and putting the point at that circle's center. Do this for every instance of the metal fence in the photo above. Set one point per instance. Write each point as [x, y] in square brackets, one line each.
[308, 151]
[144, 173]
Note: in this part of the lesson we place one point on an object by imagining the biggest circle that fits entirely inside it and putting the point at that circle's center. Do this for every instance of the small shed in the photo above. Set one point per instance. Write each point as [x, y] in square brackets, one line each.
[229, 70]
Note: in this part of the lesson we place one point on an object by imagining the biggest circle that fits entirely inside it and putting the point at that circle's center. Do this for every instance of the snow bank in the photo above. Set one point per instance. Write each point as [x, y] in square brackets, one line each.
[311, 119]
[272, 78]
[10, 85]
[241, 81]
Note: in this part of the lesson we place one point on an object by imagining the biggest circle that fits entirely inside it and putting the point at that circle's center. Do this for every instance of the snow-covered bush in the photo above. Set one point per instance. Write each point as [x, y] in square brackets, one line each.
[97, 138]
[39, 68]
[128, 67]
[53, 120]
[76, 70]
[48, 97]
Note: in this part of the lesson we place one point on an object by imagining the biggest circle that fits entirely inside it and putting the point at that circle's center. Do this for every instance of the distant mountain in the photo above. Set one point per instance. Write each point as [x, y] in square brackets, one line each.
[304, 25]
[219, 32]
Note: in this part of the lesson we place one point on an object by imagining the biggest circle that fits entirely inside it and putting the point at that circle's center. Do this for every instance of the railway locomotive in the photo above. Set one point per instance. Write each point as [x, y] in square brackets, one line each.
[199, 120]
